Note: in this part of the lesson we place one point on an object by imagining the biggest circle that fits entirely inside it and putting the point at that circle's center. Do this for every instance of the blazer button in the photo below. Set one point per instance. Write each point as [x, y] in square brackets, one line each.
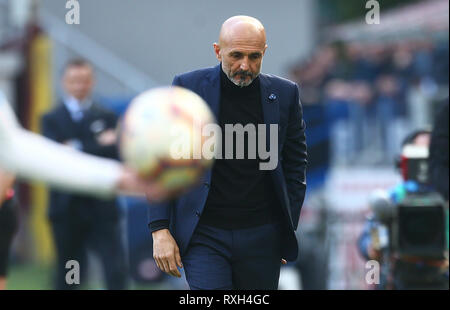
[197, 213]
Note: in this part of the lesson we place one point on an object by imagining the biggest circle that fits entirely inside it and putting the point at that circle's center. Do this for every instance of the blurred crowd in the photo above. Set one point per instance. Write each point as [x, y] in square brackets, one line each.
[360, 101]
[373, 94]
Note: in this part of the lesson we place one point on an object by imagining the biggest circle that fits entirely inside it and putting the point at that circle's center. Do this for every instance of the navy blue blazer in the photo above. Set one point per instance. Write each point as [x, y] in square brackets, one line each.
[58, 126]
[281, 105]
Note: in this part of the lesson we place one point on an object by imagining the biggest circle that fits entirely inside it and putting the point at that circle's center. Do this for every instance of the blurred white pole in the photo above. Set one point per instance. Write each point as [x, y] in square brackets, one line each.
[10, 63]
[19, 12]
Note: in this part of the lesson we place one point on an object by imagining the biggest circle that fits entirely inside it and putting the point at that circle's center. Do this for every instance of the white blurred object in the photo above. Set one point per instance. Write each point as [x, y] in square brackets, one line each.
[290, 279]
[383, 235]
[415, 151]
[163, 139]
[10, 64]
[419, 103]
[380, 237]
[20, 12]
[34, 157]
[381, 205]
[347, 189]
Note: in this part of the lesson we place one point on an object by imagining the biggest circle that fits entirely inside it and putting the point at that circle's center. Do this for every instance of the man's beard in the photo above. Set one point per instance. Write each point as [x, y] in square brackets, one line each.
[241, 82]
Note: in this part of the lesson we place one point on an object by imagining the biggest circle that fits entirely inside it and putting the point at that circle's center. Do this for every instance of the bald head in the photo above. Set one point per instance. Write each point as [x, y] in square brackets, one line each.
[241, 47]
[242, 27]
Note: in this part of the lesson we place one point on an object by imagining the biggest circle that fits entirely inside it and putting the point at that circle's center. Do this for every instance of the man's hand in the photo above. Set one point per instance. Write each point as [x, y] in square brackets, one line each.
[74, 143]
[166, 252]
[130, 183]
[6, 182]
[283, 261]
[156, 193]
[108, 137]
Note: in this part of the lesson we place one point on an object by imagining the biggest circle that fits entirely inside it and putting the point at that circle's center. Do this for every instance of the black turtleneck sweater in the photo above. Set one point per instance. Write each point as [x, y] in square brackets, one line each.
[241, 195]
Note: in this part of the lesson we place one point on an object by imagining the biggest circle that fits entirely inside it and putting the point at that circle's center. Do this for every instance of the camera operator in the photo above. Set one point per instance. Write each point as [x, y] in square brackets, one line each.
[383, 237]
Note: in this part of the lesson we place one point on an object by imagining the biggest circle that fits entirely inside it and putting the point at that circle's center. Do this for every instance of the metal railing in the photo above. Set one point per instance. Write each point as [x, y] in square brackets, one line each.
[105, 60]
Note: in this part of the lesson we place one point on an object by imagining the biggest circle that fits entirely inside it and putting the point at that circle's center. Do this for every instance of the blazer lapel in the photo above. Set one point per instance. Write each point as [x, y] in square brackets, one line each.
[270, 106]
[271, 111]
[211, 94]
[211, 90]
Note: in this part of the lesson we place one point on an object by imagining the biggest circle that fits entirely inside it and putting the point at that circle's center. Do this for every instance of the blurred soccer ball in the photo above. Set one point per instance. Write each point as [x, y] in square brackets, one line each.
[161, 136]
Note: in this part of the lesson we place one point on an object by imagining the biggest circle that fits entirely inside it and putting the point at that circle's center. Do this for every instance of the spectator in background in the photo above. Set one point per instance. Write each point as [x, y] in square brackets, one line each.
[372, 61]
[401, 78]
[420, 95]
[336, 99]
[423, 58]
[80, 222]
[388, 105]
[361, 98]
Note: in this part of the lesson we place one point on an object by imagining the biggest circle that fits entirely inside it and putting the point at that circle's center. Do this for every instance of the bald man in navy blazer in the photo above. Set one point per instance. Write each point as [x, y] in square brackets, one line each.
[236, 229]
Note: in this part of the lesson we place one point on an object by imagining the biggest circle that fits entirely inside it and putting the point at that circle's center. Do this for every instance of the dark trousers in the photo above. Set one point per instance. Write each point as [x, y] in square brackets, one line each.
[74, 236]
[8, 227]
[243, 259]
